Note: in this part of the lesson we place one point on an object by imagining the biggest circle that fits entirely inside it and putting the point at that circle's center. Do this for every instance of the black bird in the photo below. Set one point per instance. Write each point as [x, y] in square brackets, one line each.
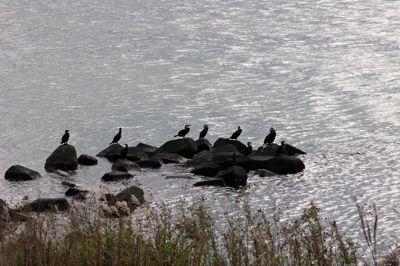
[228, 163]
[65, 138]
[282, 149]
[183, 132]
[124, 152]
[248, 149]
[270, 137]
[203, 133]
[236, 134]
[117, 137]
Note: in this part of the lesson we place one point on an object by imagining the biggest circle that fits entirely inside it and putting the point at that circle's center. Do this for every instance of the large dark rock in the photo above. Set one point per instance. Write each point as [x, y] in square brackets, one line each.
[241, 160]
[126, 195]
[63, 158]
[20, 173]
[201, 157]
[116, 176]
[293, 151]
[218, 182]
[52, 205]
[85, 159]
[223, 142]
[207, 169]
[110, 148]
[280, 165]
[170, 157]
[126, 166]
[224, 149]
[134, 153]
[75, 190]
[185, 146]
[203, 145]
[270, 150]
[151, 163]
[233, 176]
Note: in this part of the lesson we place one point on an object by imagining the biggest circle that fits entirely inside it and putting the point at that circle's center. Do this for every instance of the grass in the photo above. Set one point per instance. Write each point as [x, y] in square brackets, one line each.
[189, 234]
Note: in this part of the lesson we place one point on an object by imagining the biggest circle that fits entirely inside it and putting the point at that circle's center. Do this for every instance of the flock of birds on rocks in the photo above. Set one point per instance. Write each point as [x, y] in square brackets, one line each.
[182, 133]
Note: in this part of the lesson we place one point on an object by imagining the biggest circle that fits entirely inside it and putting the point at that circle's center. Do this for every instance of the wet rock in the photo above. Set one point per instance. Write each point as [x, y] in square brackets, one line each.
[233, 176]
[126, 195]
[225, 149]
[151, 163]
[69, 184]
[146, 147]
[134, 154]
[110, 148]
[218, 182]
[184, 146]
[280, 165]
[293, 151]
[48, 204]
[116, 176]
[85, 159]
[270, 150]
[223, 142]
[203, 145]
[170, 157]
[126, 166]
[21, 173]
[75, 190]
[206, 169]
[179, 177]
[201, 157]
[264, 173]
[63, 158]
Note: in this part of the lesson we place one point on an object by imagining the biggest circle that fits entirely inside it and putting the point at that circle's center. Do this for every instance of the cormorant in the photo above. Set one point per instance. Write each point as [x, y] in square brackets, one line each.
[117, 137]
[270, 137]
[282, 149]
[124, 152]
[203, 133]
[65, 138]
[236, 134]
[183, 132]
[248, 149]
[228, 163]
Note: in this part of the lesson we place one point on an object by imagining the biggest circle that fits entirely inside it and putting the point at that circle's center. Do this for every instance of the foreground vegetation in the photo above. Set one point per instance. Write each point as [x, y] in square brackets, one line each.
[189, 234]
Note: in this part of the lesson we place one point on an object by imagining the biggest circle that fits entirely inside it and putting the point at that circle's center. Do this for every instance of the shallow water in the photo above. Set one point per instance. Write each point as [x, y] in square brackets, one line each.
[324, 74]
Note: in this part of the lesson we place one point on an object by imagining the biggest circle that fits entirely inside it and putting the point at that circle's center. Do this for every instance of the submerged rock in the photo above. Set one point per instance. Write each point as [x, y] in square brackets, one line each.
[186, 147]
[233, 176]
[116, 176]
[126, 166]
[63, 158]
[218, 182]
[21, 173]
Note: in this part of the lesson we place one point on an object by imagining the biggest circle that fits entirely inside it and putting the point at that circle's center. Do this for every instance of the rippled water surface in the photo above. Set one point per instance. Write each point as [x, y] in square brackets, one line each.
[324, 74]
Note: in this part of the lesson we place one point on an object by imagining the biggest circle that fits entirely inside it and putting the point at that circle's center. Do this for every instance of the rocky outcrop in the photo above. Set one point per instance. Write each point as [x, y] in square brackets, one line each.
[151, 163]
[201, 157]
[126, 166]
[43, 205]
[85, 159]
[185, 147]
[116, 176]
[217, 182]
[21, 173]
[63, 158]
[203, 145]
[223, 142]
[234, 176]
[206, 169]
[170, 157]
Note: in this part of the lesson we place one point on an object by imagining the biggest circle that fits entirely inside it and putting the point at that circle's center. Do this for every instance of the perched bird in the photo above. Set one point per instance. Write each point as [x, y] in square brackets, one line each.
[248, 149]
[124, 152]
[203, 133]
[236, 134]
[183, 132]
[65, 138]
[228, 163]
[117, 137]
[282, 149]
[270, 137]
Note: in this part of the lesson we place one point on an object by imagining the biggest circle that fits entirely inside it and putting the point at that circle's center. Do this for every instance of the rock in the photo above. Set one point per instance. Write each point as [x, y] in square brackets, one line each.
[233, 176]
[267, 150]
[170, 157]
[151, 163]
[110, 148]
[75, 190]
[20, 173]
[126, 195]
[223, 142]
[17, 216]
[126, 166]
[207, 169]
[185, 147]
[218, 182]
[43, 205]
[63, 158]
[293, 151]
[203, 145]
[179, 177]
[116, 176]
[224, 149]
[219, 158]
[201, 157]
[85, 159]
[264, 173]
[145, 147]
[134, 154]
[69, 184]
[280, 165]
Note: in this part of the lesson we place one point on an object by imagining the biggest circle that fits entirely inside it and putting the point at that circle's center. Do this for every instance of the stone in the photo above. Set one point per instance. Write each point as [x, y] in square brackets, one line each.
[203, 145]
[110, 148]
[233, 176]
[170, 157]
[225, 149]
[85, 159]
[184, 146]
[218, 182]
[201, 157]
[134, 154]
[280, 165]
[267, 150]
[206, 169]
[75, 190]
[21, 173]
[223, 142]
[48, 204]
[264, 173]
[63, 158]
[116, 176]
[126, 195]
[69, 184]
[146, 147]
[293, 151]
[151, 163]
[126, 166]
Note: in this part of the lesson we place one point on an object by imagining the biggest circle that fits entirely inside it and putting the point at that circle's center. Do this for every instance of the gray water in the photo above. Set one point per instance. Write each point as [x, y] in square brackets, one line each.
[324, 74]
